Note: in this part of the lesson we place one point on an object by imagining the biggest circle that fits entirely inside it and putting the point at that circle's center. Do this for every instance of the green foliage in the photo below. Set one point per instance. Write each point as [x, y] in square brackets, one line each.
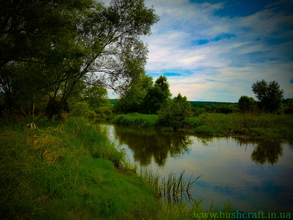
[220, 108]
[135, 119]
[82, 109]
[95, 96]
[270, 95]
[288, 108]
[132, 100]
[104, 110]
[246, 104]
[144, 97]
[259, 126]
[174, 113]
[156, 97]
[197, 111]
[49, 47]
[201, 104]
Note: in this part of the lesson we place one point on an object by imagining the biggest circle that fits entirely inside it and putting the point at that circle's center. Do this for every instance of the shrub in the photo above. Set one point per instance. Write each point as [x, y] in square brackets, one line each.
[247, 104]
[82, 109]
[174, 113]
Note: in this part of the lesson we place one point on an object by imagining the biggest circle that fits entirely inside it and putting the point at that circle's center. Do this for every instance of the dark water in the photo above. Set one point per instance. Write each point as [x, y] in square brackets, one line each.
[252, 176]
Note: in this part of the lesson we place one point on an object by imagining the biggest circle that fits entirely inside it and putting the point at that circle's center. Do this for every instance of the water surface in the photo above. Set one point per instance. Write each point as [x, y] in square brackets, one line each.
[251, 175]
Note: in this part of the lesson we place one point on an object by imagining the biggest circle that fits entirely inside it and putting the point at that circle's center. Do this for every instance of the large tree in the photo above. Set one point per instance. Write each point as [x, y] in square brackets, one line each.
[34, 36]
[29, 28]
[99, 44]
[270, 95]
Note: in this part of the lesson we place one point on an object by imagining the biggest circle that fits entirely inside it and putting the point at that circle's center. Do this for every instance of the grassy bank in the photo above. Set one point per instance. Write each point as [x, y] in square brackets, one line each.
[262, 126]
[134, 119]
[68, 171]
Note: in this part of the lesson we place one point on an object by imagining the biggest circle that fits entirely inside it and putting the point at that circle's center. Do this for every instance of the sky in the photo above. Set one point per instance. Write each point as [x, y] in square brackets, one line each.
[214, 50]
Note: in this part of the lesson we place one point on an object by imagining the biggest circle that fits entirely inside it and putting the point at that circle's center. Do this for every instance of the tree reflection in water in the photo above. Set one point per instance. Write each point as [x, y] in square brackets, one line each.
[267, 152]
[146, 144]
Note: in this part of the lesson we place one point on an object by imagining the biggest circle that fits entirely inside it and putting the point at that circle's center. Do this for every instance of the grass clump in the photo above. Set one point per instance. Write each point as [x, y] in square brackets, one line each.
[175, 195]
[68, 171]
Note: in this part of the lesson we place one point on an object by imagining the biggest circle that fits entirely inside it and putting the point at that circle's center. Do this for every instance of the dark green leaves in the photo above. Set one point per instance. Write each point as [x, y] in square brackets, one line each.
[270, 95]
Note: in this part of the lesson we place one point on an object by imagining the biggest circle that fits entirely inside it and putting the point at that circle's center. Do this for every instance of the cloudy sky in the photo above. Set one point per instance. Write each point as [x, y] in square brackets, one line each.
[214, 50]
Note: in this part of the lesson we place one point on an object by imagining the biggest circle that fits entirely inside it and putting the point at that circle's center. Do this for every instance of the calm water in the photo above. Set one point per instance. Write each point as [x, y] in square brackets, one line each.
[252, 176]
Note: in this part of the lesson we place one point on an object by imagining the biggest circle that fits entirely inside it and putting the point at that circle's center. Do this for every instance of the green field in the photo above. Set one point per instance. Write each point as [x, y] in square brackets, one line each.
[257, 126]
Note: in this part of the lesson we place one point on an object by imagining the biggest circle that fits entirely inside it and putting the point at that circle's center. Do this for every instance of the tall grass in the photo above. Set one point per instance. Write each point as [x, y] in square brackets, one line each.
[136, 119]
[262, 126]
[172, 192]
[68, 171]
[172, 189]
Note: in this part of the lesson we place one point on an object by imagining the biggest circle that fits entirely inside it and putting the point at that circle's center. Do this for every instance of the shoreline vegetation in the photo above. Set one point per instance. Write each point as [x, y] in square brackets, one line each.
[269, 127]
[68, 170]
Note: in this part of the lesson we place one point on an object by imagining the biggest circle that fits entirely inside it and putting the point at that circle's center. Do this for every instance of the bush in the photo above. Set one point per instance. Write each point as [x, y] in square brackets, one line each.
[104, 110]
[247, 104]
[174, 113]
[82, 109]
[197, 111]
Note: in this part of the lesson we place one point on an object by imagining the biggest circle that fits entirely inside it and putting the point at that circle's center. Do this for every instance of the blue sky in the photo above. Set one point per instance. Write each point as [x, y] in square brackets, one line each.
[214, 50]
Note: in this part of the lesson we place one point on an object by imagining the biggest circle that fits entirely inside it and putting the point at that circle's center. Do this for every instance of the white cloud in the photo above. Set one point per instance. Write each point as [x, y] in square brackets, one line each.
[233, 62]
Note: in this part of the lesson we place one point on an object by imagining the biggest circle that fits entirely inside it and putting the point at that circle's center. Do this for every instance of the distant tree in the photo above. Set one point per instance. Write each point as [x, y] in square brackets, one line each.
[156, 96]
[132, 100]
[174, 112]
[246, 104]
[288, 106]
[270, 95]
[95, 96]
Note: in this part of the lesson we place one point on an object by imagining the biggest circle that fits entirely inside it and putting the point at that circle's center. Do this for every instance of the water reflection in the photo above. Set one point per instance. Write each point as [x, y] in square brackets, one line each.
[147, 144]
[267, 152]
[237, 171]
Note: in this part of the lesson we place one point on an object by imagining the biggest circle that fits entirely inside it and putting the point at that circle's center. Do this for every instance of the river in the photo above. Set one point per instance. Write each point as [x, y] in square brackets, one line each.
[251, 175]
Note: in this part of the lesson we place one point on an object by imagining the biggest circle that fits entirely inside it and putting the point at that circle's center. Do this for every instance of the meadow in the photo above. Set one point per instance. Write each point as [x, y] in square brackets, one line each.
[68, 170]
[254, 126]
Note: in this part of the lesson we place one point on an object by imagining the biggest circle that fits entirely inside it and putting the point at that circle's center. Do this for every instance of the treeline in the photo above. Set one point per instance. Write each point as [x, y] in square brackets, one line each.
[210, 107]
[52, 53]
[144, 97]
[270, 99]
[147, 97]
[201, 104]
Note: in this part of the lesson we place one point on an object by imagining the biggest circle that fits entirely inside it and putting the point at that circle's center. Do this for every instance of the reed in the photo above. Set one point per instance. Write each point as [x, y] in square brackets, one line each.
[173, 189]
[174, 193]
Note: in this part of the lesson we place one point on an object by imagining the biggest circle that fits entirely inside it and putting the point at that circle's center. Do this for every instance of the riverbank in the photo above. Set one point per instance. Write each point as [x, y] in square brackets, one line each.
[69, 170]
[259, 126]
